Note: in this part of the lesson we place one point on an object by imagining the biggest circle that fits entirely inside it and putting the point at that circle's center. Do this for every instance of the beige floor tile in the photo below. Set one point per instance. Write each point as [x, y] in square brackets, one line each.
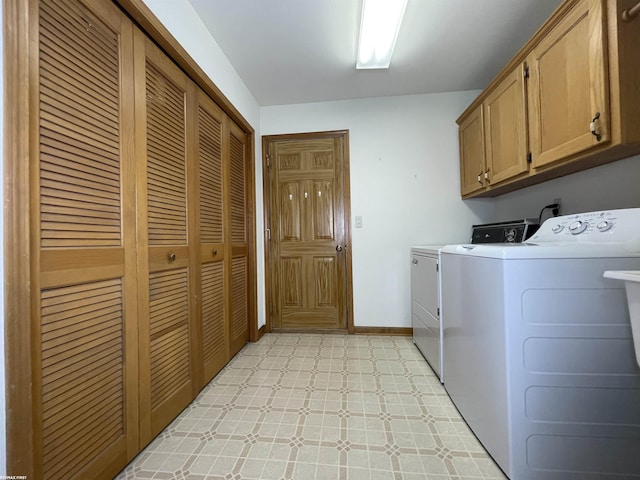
[314, 407]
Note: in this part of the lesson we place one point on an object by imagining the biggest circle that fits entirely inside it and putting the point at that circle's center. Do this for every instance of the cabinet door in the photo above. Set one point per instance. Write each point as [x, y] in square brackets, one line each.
[568, 86]
[213, 314]
[505, 128]
[167, 269]
[83, 218]
[472, 153]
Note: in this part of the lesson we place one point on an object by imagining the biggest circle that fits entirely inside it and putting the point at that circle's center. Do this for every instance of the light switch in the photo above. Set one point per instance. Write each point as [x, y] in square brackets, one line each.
[358, 221]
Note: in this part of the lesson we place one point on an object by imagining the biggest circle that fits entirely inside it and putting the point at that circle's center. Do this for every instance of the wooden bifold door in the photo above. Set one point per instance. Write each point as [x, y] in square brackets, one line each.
[141, 272]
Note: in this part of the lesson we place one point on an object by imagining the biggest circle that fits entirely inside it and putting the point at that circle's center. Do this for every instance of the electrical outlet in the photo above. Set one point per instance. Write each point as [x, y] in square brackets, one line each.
[558, 201]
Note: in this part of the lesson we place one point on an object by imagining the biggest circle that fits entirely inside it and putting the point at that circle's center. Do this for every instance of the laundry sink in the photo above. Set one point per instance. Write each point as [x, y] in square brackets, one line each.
[632, 284]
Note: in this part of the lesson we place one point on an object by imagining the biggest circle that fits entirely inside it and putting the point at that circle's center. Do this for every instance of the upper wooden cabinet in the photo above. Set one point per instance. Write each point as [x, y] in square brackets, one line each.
[568, 101]
[505, 128]
[567, 86]
[472, 159]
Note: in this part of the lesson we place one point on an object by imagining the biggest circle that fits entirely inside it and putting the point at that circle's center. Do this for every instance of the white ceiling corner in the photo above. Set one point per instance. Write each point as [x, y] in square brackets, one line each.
[301, 51]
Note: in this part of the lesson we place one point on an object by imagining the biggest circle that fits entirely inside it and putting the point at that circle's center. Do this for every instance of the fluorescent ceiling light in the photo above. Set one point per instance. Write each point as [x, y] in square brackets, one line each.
[379, 28]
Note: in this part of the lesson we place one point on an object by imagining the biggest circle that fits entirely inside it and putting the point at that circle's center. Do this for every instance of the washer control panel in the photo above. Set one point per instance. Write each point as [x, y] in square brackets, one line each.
[599, 227]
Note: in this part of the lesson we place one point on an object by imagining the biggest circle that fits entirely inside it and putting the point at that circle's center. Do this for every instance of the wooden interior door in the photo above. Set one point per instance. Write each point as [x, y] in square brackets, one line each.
[568, 86]
[237, 239]
[307, 220]
[167, 259]
[84, 245]
[213, 314]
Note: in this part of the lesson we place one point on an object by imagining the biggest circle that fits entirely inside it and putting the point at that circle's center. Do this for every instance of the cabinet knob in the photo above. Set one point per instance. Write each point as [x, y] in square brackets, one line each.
[593, 128]
[214, 252]
[171, 257]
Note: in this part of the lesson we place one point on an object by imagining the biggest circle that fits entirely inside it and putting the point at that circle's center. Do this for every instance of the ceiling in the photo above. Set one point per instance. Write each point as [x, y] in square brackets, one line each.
[300, 51]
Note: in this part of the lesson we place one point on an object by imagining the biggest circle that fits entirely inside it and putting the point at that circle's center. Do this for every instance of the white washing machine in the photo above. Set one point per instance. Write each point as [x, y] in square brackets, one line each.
[538, 351]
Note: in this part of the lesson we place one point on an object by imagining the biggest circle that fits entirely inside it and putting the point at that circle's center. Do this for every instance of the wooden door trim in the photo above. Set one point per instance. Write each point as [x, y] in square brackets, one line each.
[266, 139]
[17, 238]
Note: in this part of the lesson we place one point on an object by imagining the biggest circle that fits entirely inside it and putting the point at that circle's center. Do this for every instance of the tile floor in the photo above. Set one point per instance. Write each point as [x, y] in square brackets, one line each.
[313, 407]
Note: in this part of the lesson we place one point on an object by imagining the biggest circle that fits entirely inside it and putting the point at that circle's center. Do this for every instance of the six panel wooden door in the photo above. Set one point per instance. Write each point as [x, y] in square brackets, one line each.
[308, 233]
[85, 388]
[167, 315]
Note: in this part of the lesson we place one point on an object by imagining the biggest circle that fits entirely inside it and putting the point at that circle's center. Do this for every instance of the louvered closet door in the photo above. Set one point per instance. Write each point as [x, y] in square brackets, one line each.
[215, 347]
[239, 262]
[85, 380]
[167, 294]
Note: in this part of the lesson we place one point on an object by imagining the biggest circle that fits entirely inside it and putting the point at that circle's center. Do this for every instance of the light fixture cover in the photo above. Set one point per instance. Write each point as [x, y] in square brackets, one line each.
[379, 28]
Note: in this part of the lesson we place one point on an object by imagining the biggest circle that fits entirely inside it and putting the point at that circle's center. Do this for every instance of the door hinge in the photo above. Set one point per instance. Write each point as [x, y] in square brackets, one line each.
[437, 267]
[268, 230]
[529, 158]
[526, 71]
[268, 157]
[438, 312]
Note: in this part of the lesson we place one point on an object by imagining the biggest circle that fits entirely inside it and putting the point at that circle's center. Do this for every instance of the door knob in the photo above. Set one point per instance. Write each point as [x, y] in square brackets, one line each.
[171, 257]
[339, 248]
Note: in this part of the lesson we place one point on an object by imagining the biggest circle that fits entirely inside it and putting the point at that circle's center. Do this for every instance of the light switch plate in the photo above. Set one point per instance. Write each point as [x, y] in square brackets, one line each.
[358, 221]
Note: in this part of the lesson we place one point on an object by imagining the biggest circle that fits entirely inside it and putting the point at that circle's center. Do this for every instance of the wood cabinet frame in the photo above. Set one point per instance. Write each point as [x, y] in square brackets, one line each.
[18, 19]
[620, 40]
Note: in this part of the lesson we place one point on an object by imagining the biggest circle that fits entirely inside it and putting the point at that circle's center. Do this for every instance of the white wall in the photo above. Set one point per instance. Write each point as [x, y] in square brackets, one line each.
[179, 17]
[404, 183]
[614, 185]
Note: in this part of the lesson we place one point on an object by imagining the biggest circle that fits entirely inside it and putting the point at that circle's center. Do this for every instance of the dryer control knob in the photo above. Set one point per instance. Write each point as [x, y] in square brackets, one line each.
[604, 226]
[557, 228]
[578, 227]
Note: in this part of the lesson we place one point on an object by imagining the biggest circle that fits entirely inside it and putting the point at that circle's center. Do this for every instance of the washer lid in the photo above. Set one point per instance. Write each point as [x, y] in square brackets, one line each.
[513, 251]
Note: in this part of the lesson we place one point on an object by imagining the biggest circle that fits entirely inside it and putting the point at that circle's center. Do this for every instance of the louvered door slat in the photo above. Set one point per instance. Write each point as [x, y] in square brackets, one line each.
[55, 80]
[66, 427]
[103, 42]
[58, 54]
[214, 342]
[72, 125]
[166, 181]
[81, 155]
[210, 161]
[76, 351]
[98, 123]
[239, 298]
[170, 366]
[238, 190]
[78, 169]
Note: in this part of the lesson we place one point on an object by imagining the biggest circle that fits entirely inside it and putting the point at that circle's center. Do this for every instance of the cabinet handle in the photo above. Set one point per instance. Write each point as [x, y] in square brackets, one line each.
[631, 13]
[593, 128]
[486, 176]
[480, 178]
[171, 257]
[214, 252]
